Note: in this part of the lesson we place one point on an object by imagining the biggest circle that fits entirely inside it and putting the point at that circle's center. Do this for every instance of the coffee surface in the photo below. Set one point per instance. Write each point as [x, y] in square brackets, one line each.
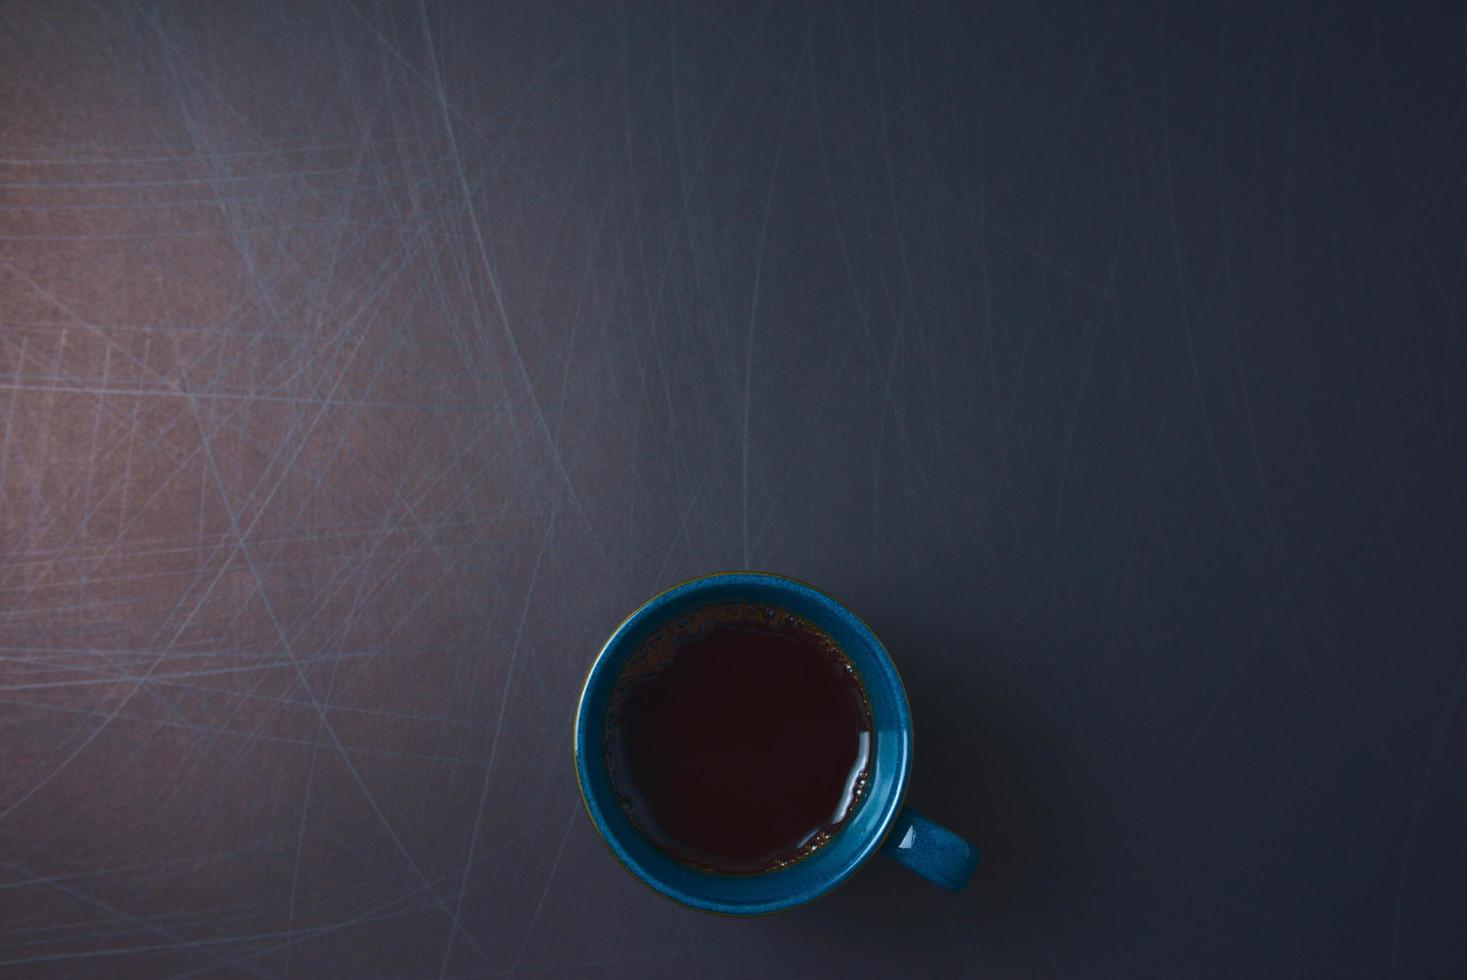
[738, 738]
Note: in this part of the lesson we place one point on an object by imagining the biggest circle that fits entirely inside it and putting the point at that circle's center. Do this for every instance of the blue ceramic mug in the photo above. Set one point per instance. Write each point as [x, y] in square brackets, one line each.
[880, 821]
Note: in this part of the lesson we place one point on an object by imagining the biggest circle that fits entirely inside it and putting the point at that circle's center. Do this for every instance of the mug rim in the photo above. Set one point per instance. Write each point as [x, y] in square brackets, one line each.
[868, 848]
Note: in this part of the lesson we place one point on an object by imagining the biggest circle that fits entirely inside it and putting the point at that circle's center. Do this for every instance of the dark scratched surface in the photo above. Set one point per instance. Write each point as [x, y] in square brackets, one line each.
[361, 365]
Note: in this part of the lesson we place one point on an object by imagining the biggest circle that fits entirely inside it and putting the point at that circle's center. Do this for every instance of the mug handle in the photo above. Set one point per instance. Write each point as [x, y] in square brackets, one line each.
[935, 853]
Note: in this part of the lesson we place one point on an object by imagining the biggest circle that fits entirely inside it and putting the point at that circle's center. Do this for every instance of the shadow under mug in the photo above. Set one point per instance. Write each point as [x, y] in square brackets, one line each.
[880, 821]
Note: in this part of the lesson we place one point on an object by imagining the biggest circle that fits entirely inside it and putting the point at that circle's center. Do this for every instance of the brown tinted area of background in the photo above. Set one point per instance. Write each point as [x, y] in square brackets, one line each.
[361, 365]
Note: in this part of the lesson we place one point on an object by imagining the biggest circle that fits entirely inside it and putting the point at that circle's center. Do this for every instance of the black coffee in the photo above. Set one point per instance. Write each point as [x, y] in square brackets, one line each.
[738, 738]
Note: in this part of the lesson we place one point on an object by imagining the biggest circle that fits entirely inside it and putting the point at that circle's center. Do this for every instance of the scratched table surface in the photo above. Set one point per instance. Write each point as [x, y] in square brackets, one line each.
[362, 365]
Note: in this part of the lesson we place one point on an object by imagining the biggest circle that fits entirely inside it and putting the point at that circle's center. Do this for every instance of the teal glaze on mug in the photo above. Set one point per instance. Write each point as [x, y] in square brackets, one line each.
[880, 822]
